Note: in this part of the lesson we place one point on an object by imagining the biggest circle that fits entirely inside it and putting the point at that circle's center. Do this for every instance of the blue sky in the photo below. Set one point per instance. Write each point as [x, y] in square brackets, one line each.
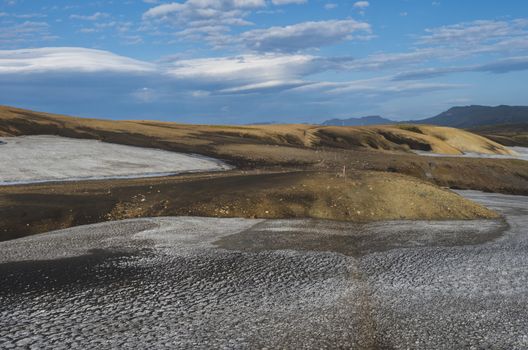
[245, 61]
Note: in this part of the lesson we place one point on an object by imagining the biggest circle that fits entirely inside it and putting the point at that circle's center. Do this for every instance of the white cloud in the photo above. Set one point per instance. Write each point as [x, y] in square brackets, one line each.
[96, 16]
[330, 6]
[202, 19]
[270, 85]
[219, 75]
[510, 64]
[164, 10]
[25, 33]
[245, 70]
[287, 2]
[426, 73]
[375, 87]
[361, 4]
[502, 66]
[250, 73]
[23, 15]
[88, 30]
[64, 59]
[202, 9]
[392, 60]
[453, 42]
[121, 28]
[209, 20]
[303, 35]
[475, 33]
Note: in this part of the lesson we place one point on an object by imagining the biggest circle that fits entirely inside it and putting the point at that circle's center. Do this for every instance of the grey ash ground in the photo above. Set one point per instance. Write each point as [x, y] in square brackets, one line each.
[232, 283]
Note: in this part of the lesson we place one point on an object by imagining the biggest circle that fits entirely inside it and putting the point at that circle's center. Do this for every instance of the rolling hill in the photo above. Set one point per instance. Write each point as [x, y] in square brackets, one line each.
[326, 172]
[210, 139]
[379, 148]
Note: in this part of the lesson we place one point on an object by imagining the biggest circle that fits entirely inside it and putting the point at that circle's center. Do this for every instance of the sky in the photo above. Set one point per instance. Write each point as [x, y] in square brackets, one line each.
[251, 61]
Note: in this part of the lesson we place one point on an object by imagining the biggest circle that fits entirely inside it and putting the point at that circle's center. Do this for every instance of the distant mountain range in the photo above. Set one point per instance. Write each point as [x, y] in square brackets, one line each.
[475, 116]
[370, 120]
[457, 117]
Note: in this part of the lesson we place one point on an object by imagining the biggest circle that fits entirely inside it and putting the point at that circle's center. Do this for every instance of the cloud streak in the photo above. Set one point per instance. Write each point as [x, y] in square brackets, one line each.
[304, 35]
[25, 33]
[512, 64]
[96, 16]
[474, 33]
[361, 4]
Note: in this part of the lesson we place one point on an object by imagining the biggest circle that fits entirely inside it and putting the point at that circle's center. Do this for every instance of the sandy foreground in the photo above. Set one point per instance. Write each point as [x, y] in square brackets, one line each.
[234, 283]
[31, 159]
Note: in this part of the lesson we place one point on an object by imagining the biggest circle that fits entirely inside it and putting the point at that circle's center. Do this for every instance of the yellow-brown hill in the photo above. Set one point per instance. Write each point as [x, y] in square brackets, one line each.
[281, 147]
[200, 138]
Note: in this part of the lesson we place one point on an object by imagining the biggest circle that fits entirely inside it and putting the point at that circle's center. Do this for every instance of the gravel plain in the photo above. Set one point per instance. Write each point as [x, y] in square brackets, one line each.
[44, 158]
[236, 284]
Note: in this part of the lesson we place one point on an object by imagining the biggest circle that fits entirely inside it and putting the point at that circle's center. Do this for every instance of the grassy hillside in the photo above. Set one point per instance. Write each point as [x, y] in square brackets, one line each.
[209, 139]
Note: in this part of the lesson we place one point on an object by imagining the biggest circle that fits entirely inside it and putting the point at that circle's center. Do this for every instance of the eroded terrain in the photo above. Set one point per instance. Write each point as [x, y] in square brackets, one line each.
[200, 282]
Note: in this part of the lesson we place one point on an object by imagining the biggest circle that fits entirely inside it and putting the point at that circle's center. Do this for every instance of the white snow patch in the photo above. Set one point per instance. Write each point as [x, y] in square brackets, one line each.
[34, 159]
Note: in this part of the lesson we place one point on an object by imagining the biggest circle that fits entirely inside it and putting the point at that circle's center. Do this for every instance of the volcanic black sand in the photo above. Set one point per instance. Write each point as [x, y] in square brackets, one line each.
[357, 196]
